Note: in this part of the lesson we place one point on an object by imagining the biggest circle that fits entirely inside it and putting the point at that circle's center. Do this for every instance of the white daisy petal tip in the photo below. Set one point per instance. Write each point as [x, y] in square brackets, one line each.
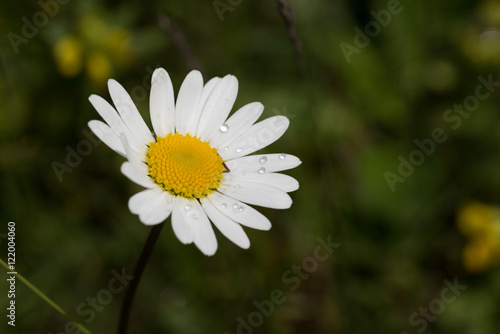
[158, 74]
[245, 245]
[150, 220]
[281, 121]
[240, 212]
[158, 71]
[112, 83]
[194, 75]
[227, 226]
[208, 251]
[233, 82]
[195, 72]
[267, 228]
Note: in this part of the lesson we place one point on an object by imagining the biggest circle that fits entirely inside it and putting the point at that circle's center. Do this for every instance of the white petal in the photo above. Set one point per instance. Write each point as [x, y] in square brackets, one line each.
[107, 136]
[258, 136]
[237, 124]
[115, 122]
[180, 225]
[257, 194]
[273, 163]
[228, 227]
[281, 181]
[207, 90]
[203, 233]
[138, 159]
[157, 210]
[152, 205]
[217, 108]
[136, 175]
[128, 111]
[204, 236]
[239, 212]
[136, 202]
[161, 103]
[187, 110]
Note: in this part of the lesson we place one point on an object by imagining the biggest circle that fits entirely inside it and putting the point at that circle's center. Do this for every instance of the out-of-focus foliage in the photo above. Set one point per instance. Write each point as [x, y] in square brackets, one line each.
[397, 123]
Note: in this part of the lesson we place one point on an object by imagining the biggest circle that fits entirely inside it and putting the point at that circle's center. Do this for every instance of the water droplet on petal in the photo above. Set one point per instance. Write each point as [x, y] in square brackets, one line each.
[282, 156]
[223, 205]
[263, 160]
[235, 206]
[262, 170]
[239, 149]
[241, 209]
[226, 100]
[187, 207]
[194, 216]
[224, 128]
[226, 148]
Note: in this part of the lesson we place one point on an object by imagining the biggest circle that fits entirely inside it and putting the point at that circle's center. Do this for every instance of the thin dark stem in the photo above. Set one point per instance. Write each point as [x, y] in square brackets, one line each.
[325, 160]
[288, 19]
[287, 16]
[180, 41]
[139, 269]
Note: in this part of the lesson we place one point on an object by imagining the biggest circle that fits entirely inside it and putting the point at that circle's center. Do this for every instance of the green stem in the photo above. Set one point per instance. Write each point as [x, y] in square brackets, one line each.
[46, 299]
[139, 269]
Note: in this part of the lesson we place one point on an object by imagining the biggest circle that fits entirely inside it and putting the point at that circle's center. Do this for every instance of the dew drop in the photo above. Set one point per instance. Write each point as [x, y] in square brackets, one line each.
[235, 206]
[194, 216]
[187, 207]
[239, 149]
[241, 209]
[223, 205]
[282, 156]
[224, 128]
[263, 160]
[262, 170]
[226, 148]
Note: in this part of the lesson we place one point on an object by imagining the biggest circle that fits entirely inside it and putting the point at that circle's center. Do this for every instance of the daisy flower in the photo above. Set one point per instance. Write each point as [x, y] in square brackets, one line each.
[196, 165]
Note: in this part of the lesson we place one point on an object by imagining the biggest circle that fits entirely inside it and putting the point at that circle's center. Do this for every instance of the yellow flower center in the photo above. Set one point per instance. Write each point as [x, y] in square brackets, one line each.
[184, 166]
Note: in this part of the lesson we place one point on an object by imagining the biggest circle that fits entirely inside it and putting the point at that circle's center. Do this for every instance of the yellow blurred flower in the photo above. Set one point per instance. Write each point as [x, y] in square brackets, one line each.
[489, 12]
[481, 224]
[482, 47]
[68, 53]
[119, 40]
[98, 67]
[98, 48]
[481, 42]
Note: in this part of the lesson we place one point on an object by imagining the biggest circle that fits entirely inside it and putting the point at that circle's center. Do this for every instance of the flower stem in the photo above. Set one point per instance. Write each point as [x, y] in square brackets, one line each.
[139, 269]
[46, 299]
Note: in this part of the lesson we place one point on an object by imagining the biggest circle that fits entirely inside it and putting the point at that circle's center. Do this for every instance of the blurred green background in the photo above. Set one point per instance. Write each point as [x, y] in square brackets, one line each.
[356, 112]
